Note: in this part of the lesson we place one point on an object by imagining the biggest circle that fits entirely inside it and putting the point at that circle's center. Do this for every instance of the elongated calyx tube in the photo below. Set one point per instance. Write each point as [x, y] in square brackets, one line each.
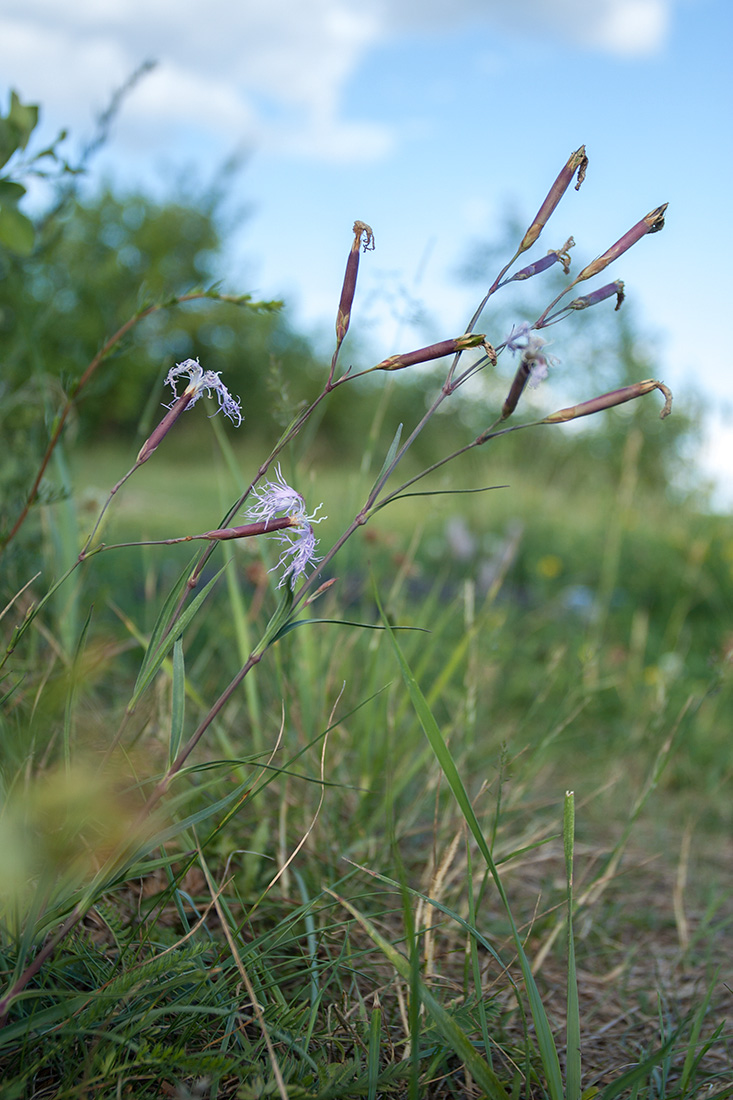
[363, 237]
[517, 388]
[161, 431]
[554, 256]
[577, 162]
[600, 295]
[609, 400]
[200, 382]
[585, 301]
[438, 351]
[652, 223]
[248, 530]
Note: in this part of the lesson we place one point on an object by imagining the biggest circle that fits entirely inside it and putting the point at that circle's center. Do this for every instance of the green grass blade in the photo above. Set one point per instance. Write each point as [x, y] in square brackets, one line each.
[634, 1077]
[239, 618]
[547, 1048]
[178, 700]
[390, 457]
[470, 928]
[71, 694]
[692, 1057]
[572, 1057]
[414, 1003]
[449, 1029]
[475, 965]
[374, 1049]
[160, 643]
[338, 622]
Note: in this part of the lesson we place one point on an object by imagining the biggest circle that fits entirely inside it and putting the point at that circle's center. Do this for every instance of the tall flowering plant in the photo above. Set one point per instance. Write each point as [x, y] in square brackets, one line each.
[274, 509]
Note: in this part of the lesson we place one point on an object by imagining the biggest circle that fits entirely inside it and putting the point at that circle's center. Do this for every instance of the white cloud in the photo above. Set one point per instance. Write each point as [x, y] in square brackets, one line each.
[265, 73]
[631, 27]
[612, 26]
[271, 73]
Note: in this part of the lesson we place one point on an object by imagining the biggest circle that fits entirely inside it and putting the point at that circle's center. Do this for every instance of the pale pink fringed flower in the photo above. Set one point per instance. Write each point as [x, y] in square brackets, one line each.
[277, 498]
[208, 382]
[531, 346]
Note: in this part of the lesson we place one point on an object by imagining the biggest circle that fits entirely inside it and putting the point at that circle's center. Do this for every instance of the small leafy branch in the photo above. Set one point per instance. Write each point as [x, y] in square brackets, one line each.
[273, 508]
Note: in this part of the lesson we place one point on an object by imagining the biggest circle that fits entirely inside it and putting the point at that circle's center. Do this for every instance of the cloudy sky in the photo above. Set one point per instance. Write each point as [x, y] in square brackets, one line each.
[429, 119]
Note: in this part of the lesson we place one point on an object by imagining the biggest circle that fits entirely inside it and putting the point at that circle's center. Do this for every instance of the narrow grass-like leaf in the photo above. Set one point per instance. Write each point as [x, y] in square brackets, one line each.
[454, 916]
[311, 938]
[71, 694]
[280, 619]
[161, 624]
[238, 614]
[374, 1050]
[391, 453]
[693, 1056]
[239, 618]
[449, 1029]
[572, 1057]
[41, 1020]
[434, 493]
[547, 1048]
[178, 700]
[413, 1013]
[633, 1078]
[475, 965]
[340, 622]
[64, 537]
[160, 643]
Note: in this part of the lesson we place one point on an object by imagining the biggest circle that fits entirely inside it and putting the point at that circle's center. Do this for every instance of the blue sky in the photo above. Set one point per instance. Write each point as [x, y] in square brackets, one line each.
[429, 119]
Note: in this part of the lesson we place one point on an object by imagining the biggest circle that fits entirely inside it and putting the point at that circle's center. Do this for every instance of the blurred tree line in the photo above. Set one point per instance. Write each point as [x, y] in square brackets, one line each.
[80, 269]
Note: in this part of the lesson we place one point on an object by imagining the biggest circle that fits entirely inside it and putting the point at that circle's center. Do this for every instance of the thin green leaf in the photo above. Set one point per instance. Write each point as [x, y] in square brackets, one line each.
[465, 924]
[572, 1057]
[160, 643]
[692, 1058]
[374, 1049]
[633, 1077]
[71, 694]
[475, 965]
[449, 1029]
[162, 623]
[178, 700]
[433, 493]
[547, 1048]
[279, 620]
[341, 622]
[390, 456]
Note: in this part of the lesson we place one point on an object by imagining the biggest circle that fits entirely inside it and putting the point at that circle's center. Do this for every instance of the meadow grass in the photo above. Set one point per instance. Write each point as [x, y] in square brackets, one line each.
[438, 811]
[310, 915]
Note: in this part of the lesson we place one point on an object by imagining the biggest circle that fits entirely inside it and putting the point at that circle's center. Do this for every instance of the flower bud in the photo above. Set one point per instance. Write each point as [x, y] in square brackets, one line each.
[600, 295]
[161, 431]
[438, 351]
[517, 388]
[609, 400]
[247, 530]
[586, 300]
[559, 255]
[577, 162]
[362, 234]
[652, 223]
